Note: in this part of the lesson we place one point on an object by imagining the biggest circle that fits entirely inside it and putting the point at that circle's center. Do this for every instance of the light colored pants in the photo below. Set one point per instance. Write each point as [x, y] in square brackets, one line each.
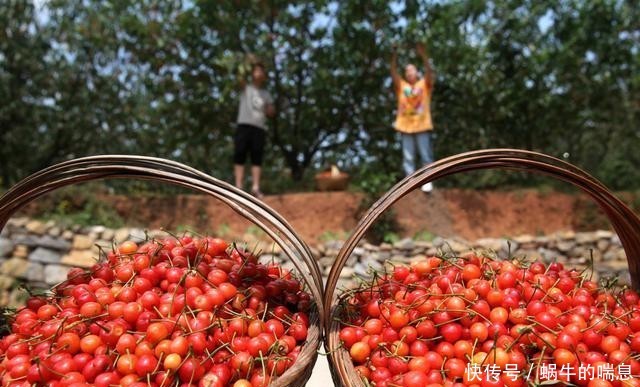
[416, 143]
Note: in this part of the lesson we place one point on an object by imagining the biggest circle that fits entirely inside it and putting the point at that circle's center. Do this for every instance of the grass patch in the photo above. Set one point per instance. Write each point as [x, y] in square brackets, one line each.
[328, 236]
[424, 236]
[79, 206]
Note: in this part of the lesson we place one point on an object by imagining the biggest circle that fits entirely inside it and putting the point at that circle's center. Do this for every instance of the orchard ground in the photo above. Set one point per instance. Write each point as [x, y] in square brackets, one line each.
[321, 216]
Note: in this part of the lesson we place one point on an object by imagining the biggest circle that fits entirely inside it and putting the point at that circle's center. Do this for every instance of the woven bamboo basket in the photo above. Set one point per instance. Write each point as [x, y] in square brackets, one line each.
[148, 168]
[332, 180]
[625, 223]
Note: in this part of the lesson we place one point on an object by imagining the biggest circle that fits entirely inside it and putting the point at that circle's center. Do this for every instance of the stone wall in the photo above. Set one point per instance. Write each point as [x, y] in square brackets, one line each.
[570, 248]
[40, 253]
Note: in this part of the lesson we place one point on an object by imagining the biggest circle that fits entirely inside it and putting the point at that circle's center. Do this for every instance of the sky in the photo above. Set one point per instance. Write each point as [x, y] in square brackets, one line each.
[41, 11]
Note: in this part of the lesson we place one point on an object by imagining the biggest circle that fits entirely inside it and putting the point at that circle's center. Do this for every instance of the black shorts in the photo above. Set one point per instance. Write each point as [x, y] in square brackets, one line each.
[249, 140]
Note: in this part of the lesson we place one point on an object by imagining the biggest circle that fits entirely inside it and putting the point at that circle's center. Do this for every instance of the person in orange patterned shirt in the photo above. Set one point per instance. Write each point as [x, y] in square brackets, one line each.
[413, 116]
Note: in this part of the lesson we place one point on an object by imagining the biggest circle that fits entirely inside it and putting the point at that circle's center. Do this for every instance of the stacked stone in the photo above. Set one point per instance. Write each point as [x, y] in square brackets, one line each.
[40, 254]
[573, 249]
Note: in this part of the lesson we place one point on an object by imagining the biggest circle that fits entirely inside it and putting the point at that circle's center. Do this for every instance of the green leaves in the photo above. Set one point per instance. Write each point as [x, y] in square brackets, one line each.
[160, 78]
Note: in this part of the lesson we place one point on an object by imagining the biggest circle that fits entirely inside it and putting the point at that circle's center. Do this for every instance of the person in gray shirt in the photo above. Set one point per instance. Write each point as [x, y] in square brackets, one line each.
[256, 104]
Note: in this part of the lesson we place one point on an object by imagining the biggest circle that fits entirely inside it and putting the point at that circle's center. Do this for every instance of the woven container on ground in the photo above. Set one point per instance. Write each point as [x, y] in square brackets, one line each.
[326, 182]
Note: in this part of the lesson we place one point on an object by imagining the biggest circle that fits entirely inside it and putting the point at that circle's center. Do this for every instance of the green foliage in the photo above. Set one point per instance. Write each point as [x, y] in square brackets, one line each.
[7, 317]
[620, 172]
[424, 235]
[223, 230]
[79, 205]
[255, 231]
[328, 236]
[374, 185]
[390, 237]
[160, 79]
[182, 229]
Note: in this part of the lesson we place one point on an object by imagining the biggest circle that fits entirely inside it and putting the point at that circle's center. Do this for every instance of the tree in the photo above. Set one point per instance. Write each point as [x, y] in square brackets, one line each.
[24, 89]
[159, 78]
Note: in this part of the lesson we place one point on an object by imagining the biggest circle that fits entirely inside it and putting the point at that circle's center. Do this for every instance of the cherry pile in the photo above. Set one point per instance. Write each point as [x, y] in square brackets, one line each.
[173, 312]
[478, 321]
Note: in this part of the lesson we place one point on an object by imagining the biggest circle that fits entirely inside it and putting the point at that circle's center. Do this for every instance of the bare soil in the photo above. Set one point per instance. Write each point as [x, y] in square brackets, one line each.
[477, 214]
[318, 216]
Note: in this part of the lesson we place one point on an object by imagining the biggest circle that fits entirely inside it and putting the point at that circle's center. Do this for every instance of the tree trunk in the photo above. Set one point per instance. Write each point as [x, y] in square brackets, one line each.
[297, 172]
[297, 169]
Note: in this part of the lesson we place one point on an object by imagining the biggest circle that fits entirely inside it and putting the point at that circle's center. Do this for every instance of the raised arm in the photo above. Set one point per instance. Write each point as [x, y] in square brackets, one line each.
[429, 75]
[394, 69]
[245, 69]
[241, 78]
